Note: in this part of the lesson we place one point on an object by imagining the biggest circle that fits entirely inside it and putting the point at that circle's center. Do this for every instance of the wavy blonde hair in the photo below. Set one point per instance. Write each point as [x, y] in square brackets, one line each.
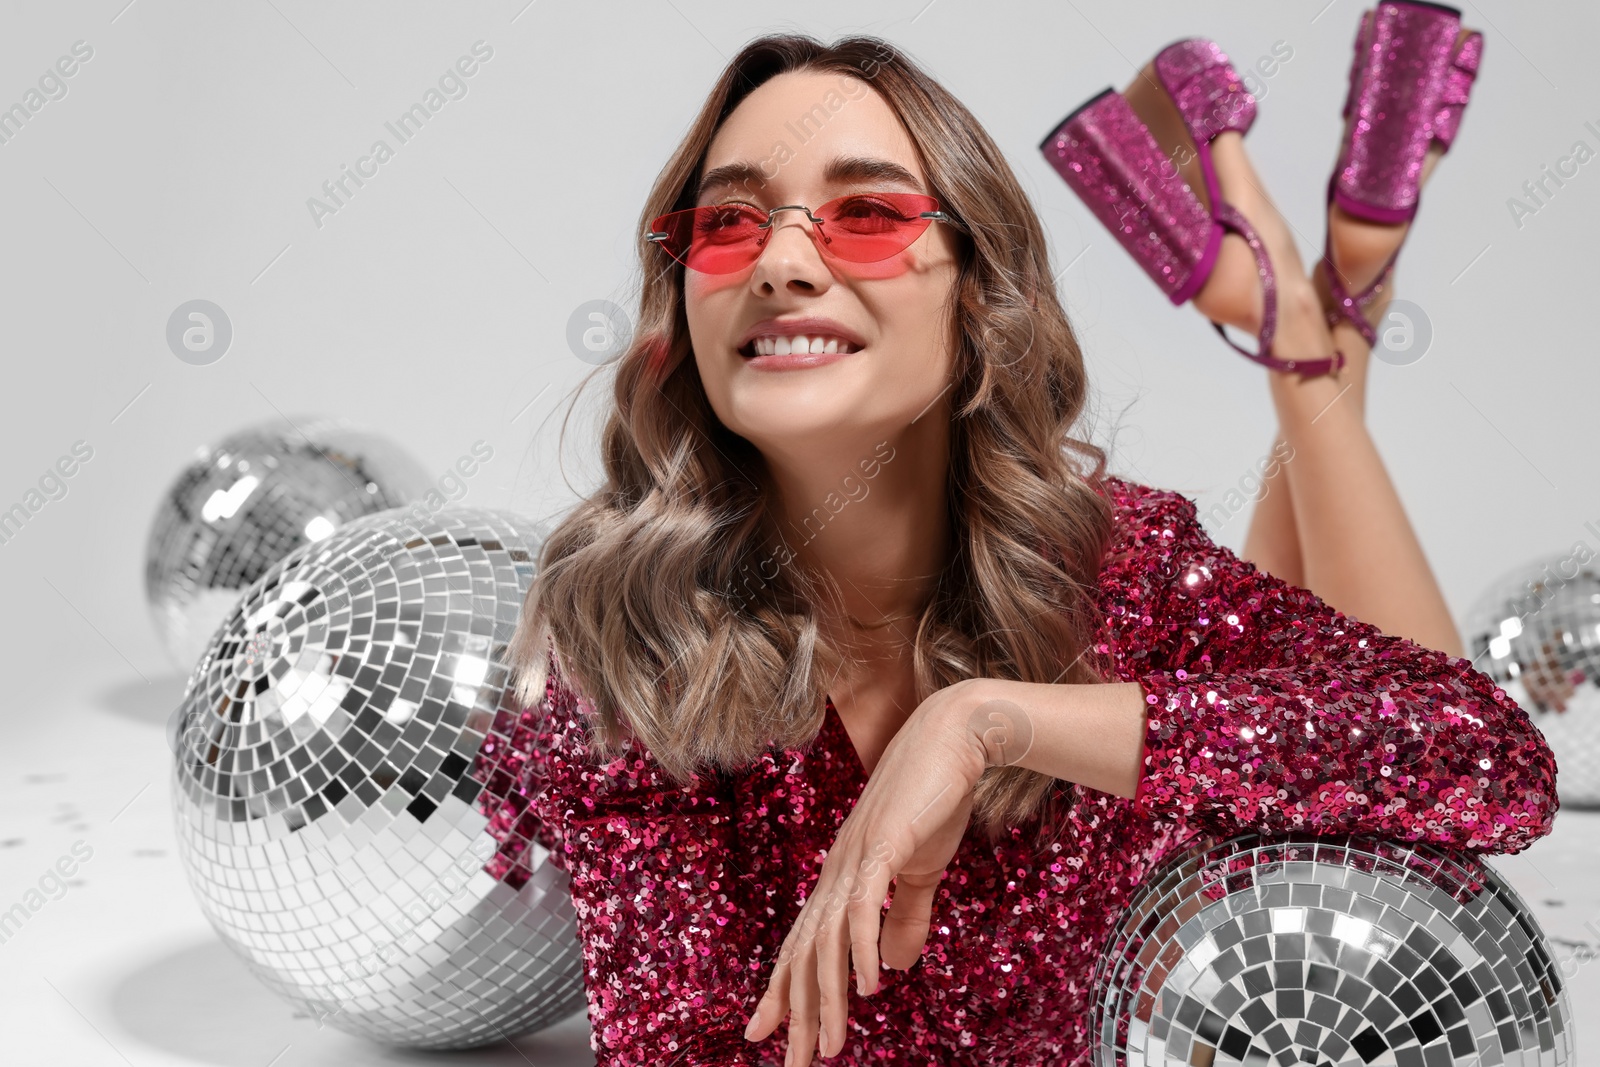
[631, 601]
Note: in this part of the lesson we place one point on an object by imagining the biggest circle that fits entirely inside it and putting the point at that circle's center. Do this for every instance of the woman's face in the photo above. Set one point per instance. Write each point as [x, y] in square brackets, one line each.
[896, 308]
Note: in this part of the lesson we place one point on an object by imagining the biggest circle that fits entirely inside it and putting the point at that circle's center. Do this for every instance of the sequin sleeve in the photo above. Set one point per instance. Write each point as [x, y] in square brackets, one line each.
[1268, 710]
[668, 961]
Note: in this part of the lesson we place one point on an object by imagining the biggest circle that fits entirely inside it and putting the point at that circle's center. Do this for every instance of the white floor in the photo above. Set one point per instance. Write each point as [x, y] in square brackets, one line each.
[122, 969]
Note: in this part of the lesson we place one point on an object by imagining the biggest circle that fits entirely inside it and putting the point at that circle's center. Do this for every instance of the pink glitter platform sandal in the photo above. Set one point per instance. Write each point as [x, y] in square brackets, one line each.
[1110, 158]
[1409, 83]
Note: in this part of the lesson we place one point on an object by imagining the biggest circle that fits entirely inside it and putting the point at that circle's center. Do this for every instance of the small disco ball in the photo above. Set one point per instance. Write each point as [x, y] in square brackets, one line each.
[1334, 951]
[1536, 631]
[247, 501]
[347, 805]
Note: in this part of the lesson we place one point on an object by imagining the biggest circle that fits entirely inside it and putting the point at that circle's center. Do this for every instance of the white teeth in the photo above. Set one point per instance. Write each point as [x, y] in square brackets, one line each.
[783, 346]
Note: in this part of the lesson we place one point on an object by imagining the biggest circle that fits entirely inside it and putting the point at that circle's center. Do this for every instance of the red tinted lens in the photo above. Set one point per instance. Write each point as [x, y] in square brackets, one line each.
[718, 239]
[861, 228]
[867, 227]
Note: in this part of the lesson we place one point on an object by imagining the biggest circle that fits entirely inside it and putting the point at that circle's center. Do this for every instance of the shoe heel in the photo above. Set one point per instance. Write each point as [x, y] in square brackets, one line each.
[1106, 155]
[1408, 84]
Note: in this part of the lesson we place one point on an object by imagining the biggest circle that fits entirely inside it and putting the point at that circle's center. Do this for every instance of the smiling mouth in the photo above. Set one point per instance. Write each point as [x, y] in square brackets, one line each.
[785, 346]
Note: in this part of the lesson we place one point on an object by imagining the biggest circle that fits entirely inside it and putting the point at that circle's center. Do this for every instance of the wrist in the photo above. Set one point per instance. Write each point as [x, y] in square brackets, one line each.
[998, 727]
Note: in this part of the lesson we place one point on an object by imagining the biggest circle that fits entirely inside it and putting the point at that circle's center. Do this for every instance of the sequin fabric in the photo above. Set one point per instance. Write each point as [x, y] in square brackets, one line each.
[1208, 92]
[1107, 155]
[1266, 710]
[1457, 89]
[1104, 151]
[1405, 100]
[1409, 84]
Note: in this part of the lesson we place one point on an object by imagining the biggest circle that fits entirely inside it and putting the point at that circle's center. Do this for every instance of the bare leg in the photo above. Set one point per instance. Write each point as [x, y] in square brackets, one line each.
[1329, 519]
[1360, 552]
[1232, 296]
[1357, 550]
[1273, 543]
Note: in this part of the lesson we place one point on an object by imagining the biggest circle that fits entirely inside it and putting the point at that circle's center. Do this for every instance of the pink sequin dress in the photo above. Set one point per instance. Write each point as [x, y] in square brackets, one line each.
[1267, 710]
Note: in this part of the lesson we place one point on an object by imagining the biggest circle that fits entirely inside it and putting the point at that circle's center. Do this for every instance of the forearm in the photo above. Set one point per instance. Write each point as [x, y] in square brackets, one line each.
[1089, 734]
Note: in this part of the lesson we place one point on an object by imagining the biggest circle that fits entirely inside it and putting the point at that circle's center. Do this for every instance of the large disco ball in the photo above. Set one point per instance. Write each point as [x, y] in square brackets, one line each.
[1338, 951]
[347, 805]
[1536, 631]
[247, 501]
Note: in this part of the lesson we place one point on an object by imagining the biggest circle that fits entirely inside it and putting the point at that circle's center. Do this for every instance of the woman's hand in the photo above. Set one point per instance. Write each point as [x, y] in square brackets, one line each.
[905, 828]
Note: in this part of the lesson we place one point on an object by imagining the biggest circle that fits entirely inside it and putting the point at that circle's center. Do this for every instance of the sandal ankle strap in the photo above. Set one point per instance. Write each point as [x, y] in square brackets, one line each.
[1232, 219]
[1352, 309]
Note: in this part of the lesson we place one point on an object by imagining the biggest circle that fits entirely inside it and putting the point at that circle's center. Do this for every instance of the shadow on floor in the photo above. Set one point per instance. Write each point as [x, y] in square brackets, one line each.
[202, 1003]
[151, 703]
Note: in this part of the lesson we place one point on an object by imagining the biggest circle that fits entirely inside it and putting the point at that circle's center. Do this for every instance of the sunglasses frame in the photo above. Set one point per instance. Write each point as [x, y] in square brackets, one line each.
[938, 214]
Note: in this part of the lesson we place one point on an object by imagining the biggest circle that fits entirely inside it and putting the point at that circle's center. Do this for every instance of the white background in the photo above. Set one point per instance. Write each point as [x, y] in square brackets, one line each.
[433, 307]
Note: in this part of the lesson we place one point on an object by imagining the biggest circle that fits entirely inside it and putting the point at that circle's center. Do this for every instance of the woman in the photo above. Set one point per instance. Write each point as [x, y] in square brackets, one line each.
[871, 621]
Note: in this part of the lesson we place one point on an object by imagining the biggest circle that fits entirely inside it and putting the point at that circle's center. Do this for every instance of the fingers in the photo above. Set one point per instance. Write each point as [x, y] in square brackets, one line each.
[810, 978]
[768, 1013]
[803, 1007]
[865, 914]
[905, 928]
[833, 985]
[863, 929]
[771, 1008]
[792, 989]
[837, 925]
[819, 994]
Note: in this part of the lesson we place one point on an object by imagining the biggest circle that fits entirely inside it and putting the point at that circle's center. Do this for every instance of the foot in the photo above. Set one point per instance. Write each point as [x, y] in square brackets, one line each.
[1232, 295]
[1360, 248]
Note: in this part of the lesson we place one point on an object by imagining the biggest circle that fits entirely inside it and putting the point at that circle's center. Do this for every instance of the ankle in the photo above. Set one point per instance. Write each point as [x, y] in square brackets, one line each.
[1298, 302]
[1309, 408]
[1233, 294]
[1360, 248]
[1357, 362]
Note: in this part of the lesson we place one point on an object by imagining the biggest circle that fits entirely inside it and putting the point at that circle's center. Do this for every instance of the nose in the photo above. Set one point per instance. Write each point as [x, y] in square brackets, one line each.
[791, 258]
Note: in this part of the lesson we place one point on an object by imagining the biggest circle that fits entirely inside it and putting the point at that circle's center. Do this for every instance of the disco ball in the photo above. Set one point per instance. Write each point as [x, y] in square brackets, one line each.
[1338, 951]
[347, 805]
[247, 501]
[1536, 631]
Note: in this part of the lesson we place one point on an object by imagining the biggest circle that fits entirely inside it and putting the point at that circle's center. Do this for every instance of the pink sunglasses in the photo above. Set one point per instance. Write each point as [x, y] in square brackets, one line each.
[859, 228]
